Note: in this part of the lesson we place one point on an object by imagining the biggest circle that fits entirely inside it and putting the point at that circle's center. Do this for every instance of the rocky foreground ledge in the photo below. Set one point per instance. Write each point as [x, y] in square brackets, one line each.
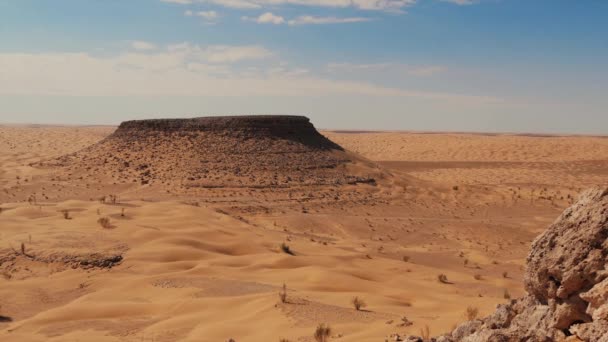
[566, 280]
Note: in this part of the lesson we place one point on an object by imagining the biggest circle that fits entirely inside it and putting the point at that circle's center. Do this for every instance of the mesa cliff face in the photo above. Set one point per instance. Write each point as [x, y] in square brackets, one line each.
[566, 280]
[219, 152]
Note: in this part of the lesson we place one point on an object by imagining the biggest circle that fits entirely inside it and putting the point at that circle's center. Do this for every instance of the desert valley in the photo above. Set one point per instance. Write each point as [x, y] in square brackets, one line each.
[261, 228]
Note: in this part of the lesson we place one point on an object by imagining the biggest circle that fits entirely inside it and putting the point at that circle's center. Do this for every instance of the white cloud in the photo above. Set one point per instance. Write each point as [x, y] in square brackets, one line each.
[210, 17]
[180, 70]
[378, 5]
[142, 46]
[270, 18]
[461, 2]
[266, 18]
[308, 20]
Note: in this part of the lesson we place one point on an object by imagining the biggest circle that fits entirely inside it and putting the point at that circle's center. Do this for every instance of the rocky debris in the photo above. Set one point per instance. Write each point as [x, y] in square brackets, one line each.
[217, 152]
[566, 280]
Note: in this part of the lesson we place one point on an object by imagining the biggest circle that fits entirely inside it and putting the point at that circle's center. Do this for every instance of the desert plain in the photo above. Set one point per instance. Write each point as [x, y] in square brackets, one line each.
[430, 229]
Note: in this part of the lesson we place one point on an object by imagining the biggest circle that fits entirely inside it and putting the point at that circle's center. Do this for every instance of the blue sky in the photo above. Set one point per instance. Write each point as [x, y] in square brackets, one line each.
[457, 65]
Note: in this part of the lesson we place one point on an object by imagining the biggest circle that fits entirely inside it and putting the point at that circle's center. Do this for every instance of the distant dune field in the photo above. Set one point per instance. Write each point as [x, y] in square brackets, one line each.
[84, 257]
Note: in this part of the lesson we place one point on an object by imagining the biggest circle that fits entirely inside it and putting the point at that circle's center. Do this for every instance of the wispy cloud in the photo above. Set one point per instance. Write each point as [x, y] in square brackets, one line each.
[266, 18]
[312, 20]
[270, 18]
[377, 5]
[421, 71]
[142, 46]
[210, 17]
[461, 2]
[182, 70]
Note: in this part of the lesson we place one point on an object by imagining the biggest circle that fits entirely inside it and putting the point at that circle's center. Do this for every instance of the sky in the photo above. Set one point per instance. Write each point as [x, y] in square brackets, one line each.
[536, 66]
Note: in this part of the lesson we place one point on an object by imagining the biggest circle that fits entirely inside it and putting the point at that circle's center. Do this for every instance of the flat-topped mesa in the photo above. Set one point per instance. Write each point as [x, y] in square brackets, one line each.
[289, 127]
[217, 152]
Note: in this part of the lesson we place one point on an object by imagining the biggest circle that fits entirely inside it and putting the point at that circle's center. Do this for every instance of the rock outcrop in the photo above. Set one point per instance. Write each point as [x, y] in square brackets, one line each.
[566, 280]
[219, 152]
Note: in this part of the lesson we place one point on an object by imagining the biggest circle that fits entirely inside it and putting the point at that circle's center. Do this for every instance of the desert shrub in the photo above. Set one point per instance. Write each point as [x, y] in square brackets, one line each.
[406, 258]
[283, 294]
[66, 214]
[505, 274]
[23, 248]
[285, 248]
[443, 279]
[284, 340]
[455, 188]
[358, 303]
[425, 333]
[471, 313]
[478, 276]
[322, 333]
[104, 222]
[506, 294]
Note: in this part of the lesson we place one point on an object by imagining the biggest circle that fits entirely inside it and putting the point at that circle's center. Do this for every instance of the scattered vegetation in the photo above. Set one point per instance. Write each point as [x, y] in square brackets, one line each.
[425, 333]
[358, 303]
[405, 322]
[443, 279]
[283, 294]
[471, 313]
[104, 222]
[285, 248]
[322, 333]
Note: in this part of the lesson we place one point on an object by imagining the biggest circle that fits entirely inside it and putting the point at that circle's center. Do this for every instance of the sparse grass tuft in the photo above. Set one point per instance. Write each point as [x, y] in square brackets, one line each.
[285, 248]
[358, 303]
[322, 333]
[283, 294]
[104, 222]
[425, 333]
[471, 313]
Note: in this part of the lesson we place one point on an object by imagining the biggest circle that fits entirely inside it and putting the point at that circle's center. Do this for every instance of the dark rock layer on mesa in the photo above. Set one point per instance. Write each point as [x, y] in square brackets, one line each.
[566, 280]
[219, 152]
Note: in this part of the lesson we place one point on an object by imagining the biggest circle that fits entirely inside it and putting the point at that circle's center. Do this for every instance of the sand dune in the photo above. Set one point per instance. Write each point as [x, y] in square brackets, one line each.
[209, 267]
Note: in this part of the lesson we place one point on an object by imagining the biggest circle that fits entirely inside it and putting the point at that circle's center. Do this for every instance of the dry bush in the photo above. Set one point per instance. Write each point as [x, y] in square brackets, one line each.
[104, 222]
[283, 294]
[443, 279]
[471, 313]
[478, 276]
[66, 214]
[23, 248]
[284, 340]
[322, 333]
[425, 333]
[358, 303]
[285, 248]
[506, 294]
[406, 258]
[455, 188]
[505, 274]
